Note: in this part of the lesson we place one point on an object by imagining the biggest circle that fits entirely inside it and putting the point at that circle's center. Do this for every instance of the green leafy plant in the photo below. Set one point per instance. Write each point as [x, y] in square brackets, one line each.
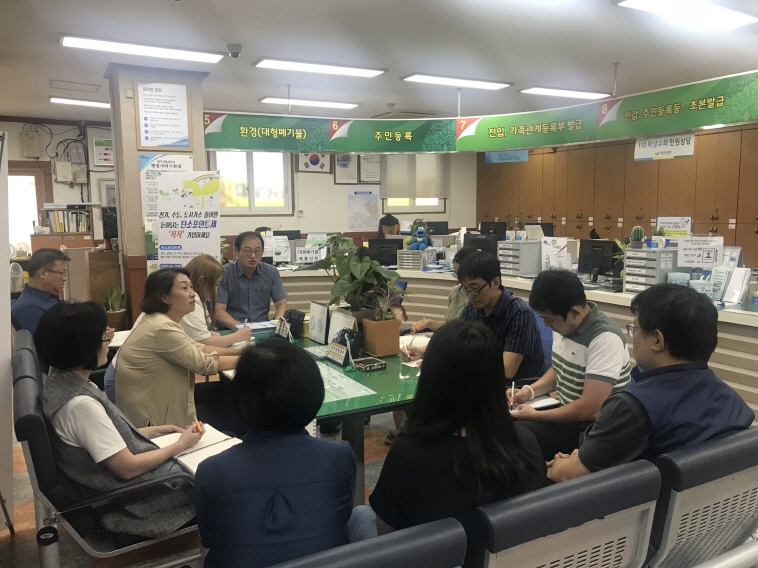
[519, 222]
[659, 232]
[224, 247]
[339, 243]
[355, 278]
[508, 225]
[114, 299]
[385, 298]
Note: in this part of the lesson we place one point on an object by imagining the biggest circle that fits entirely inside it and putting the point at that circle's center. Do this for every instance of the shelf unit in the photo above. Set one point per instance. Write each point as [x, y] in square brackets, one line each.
[71, 239]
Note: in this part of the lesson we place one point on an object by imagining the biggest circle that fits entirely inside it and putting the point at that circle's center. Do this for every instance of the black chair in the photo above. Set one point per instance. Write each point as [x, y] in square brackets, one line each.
[602, 519]
[709, 500]
[441, 544]
[57, 498]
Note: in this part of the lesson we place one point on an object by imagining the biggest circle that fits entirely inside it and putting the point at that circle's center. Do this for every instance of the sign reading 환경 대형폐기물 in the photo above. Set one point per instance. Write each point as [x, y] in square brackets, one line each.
[725, 100]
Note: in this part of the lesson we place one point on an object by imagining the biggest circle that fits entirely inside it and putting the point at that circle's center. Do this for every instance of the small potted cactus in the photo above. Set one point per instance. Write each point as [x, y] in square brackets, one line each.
[520, 232]
[637, 237]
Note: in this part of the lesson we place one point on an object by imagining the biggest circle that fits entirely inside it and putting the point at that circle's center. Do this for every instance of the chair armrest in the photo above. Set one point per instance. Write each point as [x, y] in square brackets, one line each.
[126, 491]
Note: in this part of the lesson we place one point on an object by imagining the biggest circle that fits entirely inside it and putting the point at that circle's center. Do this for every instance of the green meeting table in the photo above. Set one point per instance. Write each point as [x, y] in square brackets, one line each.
[352, 396]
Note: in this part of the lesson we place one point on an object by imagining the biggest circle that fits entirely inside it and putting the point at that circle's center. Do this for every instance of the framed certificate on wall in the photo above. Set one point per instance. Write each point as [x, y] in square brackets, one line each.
[345, 169]
[368, 169]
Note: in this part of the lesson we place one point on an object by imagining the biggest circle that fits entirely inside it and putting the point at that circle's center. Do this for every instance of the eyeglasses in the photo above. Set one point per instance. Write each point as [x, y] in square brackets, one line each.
[250, 252]
[474, 293]
[631, 329]
[61, 273]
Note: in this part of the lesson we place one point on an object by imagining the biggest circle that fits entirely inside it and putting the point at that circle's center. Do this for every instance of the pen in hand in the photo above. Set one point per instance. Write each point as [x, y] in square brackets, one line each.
[198, 426]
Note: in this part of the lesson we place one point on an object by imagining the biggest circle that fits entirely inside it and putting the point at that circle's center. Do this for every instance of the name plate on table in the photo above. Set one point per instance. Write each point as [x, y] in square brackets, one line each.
[337, 353]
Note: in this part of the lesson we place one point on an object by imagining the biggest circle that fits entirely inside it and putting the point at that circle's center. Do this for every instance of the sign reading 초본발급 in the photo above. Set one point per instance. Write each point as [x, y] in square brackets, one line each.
[727, 100]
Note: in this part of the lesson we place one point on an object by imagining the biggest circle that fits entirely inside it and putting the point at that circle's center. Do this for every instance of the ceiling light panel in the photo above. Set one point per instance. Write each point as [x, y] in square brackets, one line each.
[80, 102]
[693, 14]
[303, 102]
[455, 82]
[143, 50]
[565, 93]
[324, 68]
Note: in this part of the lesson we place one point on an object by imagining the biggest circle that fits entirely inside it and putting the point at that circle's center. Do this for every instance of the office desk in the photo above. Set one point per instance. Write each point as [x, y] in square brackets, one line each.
[394, 388]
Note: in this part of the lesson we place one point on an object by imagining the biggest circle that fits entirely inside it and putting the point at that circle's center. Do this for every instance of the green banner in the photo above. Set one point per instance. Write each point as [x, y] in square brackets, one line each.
[728, 100]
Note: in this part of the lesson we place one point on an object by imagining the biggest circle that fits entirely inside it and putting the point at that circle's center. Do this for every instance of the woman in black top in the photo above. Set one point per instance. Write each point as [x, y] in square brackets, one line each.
[460, 448]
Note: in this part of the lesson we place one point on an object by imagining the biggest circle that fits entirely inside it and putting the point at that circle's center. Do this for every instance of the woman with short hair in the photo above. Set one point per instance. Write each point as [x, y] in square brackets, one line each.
[459, 448]
[94, 444]
[155, 375]
[281, 494]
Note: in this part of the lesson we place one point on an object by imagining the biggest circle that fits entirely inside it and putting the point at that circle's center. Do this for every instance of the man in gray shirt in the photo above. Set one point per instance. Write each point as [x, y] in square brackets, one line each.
[249, 285]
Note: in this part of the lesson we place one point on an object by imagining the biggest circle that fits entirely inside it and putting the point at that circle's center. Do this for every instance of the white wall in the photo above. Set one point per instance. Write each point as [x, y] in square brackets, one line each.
[62, 192]
[324, 205]
[6, 388]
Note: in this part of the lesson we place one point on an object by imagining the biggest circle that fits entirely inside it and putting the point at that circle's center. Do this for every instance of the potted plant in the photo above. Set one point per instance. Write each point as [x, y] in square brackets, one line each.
[658, 240]
[114, 307]
[637, 237]
[510, 234]
[619, 257]
[520, 232]
[224, 248]
[382, 332]
[355, 278]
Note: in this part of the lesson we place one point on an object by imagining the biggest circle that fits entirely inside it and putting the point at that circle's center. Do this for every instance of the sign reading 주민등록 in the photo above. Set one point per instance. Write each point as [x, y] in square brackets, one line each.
[727, 100]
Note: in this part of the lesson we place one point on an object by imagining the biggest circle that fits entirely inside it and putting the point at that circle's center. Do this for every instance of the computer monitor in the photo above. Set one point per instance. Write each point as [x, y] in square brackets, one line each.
[492, 227]
[291, 235]
[385, 250]
[110, 222]
[548, 229]
[484, 243]
[596, 258]
[437, 228]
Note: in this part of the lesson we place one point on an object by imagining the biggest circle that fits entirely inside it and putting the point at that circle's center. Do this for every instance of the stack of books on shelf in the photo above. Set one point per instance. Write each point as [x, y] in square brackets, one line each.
[68, 217]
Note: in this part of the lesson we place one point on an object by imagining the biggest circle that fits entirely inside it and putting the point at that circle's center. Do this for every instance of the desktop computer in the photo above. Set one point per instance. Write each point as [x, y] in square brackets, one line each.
[485, 243]
[437, 227]
[385, 250]
[492, 227]
[596, 259]
[291, 235]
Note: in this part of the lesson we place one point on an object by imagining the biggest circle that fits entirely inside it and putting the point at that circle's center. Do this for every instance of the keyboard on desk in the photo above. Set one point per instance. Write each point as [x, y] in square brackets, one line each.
[319, 351]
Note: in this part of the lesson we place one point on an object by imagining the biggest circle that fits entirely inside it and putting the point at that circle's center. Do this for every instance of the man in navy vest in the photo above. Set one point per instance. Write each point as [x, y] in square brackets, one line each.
[676, 401]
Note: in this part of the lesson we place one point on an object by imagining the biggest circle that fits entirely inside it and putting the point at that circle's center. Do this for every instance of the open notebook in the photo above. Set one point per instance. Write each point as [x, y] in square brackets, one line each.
[213, 442]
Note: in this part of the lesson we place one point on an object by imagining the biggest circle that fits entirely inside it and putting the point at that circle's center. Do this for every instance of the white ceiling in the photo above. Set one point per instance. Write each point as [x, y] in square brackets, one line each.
[559, 43]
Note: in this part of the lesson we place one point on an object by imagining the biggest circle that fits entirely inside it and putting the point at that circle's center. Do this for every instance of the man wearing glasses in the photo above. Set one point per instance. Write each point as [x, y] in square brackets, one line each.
[249, 285]
[509, 317]
[676, 401]
[47, 276]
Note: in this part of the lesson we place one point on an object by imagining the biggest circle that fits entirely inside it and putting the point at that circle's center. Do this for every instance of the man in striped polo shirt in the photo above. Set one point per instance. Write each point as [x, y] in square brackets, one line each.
[590, 361]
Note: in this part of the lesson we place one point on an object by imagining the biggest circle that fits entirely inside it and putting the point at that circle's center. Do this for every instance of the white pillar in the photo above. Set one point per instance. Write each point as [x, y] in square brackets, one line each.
[6, 386]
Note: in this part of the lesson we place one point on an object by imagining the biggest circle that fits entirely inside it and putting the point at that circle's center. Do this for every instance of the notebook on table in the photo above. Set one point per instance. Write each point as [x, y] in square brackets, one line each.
[213, 442]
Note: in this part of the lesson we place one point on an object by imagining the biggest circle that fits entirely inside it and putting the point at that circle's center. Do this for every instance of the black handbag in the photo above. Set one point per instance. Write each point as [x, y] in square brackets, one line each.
[295, 319]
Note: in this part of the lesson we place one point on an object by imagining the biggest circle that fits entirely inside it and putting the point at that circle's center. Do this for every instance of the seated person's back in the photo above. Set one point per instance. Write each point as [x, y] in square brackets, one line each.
[281, 494]
[459, 448]
[677, 401]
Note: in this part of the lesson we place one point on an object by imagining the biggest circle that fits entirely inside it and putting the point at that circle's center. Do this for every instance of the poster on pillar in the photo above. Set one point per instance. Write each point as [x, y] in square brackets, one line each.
[188, 217]
[162, 116]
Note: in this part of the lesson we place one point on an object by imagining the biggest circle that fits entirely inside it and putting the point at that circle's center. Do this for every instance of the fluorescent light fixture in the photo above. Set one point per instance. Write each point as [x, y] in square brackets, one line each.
[325, 68]
[712, 126]
[454, 82]
[693, 13]
[145, 50]
[303, 102]
[81, 102]
[565, 93]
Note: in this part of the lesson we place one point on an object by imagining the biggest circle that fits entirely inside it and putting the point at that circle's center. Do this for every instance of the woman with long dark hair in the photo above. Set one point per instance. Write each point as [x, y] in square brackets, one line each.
[459, 448]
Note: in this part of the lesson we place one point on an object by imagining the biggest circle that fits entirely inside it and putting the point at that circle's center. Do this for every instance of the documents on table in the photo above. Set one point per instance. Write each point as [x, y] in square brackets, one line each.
[339, 386]
[213, 442]
[541, 402]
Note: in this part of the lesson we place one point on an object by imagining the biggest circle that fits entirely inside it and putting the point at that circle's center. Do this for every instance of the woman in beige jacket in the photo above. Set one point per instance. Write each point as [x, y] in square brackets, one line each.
[155, 377]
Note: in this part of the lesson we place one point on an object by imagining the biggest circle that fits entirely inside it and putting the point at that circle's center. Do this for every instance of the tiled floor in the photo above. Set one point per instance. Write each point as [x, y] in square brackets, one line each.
[20, 551]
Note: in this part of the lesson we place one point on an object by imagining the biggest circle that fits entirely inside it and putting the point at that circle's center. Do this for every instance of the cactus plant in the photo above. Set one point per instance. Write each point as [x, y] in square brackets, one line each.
[659, 232]
[637, 237]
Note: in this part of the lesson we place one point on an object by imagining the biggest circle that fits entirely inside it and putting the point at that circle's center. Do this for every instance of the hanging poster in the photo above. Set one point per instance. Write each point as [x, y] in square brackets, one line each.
[665, 147]
[704, 252]
[163, 115]
[676, 226]
[345, 169]
[368, 168]
[363, 210]
[151, 167]
[188, 217]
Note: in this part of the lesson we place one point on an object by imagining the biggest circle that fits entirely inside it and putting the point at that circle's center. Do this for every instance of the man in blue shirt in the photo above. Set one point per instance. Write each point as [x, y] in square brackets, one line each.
[249, 285]
[47, 275]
